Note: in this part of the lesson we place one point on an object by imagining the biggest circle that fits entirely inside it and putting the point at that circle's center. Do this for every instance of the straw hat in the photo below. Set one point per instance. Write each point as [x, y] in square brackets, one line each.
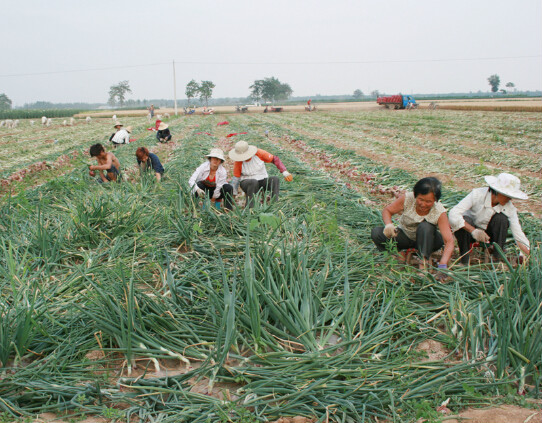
[242, 151]
[128, 129]
[216, 152]
[506, 184]
[117, 123]
[162, 126]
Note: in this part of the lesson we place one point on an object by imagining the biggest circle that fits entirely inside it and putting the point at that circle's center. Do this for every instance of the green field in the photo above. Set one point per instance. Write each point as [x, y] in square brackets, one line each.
[134, 303]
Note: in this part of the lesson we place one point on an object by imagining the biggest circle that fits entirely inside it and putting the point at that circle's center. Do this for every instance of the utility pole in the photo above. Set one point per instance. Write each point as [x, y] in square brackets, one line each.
[174, 88]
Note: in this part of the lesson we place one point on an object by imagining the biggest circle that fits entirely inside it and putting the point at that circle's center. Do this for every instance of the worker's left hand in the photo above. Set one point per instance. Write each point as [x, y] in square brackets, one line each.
[287, 176]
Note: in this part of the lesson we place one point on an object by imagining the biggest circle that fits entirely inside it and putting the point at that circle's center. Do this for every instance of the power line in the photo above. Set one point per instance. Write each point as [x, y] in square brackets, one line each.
[312, 63]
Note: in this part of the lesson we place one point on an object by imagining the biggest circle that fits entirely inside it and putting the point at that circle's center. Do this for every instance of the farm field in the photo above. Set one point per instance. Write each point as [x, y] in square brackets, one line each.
[132, 302]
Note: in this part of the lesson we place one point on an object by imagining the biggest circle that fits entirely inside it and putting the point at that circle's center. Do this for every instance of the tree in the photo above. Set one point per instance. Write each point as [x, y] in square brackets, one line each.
[118, 93]
[256, 90]
[510, 85]
[358, 94]
[5, 102]
[206, 91]
[494, 81]
[375, 93]
[192, 90]
[273, 89]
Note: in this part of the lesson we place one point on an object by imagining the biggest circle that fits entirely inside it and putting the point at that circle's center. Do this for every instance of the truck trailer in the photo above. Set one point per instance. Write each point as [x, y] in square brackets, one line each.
[397, 102]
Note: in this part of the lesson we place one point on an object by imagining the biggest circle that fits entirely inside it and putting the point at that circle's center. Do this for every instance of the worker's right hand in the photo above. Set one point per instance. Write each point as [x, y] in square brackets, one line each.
[200, 192]
[480, 235]
[389, 230]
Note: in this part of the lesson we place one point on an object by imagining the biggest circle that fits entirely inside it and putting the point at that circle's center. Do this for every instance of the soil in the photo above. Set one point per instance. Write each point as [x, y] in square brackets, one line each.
[520, 103]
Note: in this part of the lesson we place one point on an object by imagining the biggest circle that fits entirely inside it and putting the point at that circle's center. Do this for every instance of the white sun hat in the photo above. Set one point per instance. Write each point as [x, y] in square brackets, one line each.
[117, 123]
[216, 152]
[506, 184]
[162, 126]
[242, 151]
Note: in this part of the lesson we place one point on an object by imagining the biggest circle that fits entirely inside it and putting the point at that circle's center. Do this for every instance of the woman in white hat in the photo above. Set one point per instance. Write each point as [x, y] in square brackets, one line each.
[486, 214]
[210, 178]
[122, 136]
[249, 171]
[163, 134]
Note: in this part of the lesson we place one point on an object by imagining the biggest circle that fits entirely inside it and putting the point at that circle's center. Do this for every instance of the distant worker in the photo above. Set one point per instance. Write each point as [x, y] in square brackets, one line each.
[486, 214]
[151, 110]
[210, 180]
[107, 162]
[122, 136]
[422, 217]
[148, 161]
[249, 171]
[163, 134]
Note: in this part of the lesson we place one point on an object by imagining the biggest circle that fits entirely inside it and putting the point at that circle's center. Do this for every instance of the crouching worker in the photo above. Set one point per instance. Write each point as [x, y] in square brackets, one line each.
[249, 171]
[209, 180]
[423, 216]
[163, 134]
[486, 214]
[106, 162]
[148, 161]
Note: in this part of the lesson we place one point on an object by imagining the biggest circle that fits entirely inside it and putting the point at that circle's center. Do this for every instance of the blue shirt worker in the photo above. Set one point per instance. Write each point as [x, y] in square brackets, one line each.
[147, 161]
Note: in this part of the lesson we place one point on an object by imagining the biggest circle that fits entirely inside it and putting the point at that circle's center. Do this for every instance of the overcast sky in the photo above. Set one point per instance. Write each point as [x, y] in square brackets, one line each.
[69, 50]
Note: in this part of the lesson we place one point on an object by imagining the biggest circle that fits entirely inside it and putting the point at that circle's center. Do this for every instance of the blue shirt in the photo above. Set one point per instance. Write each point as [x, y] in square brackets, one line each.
[154, 162]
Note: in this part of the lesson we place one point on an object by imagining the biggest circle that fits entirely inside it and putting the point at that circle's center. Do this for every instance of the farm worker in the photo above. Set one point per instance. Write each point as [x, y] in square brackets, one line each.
[149, 161]
[163, 134]
[486, 214]
[423, 216]
[106, 162]
[122, 136]
[151, 110]
[249, 171]
[210, 179]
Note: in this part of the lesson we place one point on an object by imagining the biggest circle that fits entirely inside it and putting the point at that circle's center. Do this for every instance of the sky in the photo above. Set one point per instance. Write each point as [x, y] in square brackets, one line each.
[74, 51]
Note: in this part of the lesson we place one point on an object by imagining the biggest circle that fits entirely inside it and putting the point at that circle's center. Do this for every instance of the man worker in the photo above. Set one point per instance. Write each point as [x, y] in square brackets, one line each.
[107, 162]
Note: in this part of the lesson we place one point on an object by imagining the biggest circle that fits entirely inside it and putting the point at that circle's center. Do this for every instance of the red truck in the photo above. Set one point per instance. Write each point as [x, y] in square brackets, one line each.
[397, 102]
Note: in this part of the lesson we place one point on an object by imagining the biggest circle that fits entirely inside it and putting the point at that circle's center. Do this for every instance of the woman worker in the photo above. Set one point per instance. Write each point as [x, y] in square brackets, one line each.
[147, 161]
[249, 171]
[486, 214]
[163, 134]
[423, 216]
[210, 178]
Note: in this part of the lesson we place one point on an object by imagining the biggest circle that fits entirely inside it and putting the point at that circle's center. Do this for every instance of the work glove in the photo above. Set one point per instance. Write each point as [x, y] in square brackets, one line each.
[480, 236]
[200, 192]
[389, 230]
[287, 176]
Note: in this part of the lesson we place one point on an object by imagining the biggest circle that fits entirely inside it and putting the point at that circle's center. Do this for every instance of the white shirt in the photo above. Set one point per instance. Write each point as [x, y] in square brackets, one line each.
[202, 172]
[254, 169]
[122, 136]
[477, 205]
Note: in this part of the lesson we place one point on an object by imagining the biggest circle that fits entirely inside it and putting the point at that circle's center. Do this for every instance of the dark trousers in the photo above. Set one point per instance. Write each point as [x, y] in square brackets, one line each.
[167, 138]
[428, 239]
[497, 229]
[252, 187]
[226, 193]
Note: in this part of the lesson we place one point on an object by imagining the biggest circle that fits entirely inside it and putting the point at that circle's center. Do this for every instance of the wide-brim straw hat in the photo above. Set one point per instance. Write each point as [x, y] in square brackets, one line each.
[162, 126]
[506, 184]
[242, 151]
[216, 152]
[128, 129]
[117, 123]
